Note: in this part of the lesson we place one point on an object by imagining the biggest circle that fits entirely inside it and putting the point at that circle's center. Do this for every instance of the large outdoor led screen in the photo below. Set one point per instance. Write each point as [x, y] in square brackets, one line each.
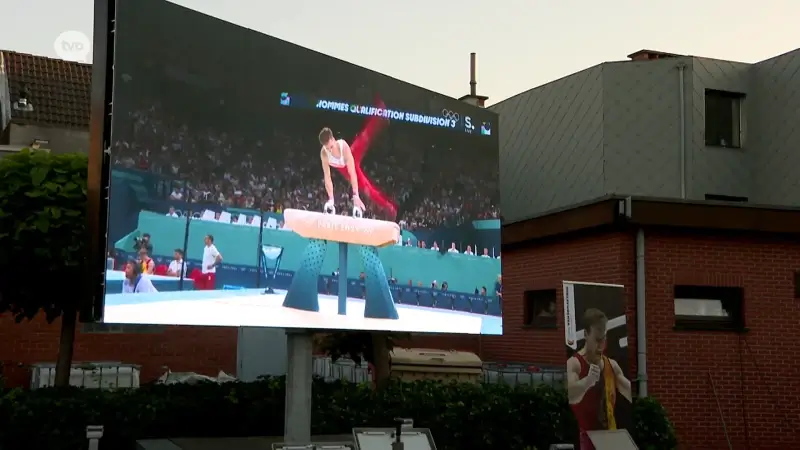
[291, 189]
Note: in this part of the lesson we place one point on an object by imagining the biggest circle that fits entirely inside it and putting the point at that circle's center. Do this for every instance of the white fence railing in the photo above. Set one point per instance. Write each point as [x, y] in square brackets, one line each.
[515, 374]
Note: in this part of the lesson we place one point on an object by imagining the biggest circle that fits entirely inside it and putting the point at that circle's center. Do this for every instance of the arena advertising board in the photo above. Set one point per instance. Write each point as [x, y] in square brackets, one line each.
[258, 183]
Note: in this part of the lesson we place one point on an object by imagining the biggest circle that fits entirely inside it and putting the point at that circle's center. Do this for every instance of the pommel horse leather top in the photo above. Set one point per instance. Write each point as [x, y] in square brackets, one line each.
[320, 228]
[344, 229]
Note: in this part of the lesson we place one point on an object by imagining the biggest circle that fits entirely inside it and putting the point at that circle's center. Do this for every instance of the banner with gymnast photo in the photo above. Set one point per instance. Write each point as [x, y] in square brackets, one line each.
[292, 189]
[596, 341]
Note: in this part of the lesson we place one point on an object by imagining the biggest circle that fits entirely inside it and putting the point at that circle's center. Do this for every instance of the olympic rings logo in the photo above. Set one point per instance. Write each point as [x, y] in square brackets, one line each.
[181, 213]
[450, 115]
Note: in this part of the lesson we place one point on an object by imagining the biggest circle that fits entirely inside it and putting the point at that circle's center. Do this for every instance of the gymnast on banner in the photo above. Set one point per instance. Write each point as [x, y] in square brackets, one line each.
[337, 153]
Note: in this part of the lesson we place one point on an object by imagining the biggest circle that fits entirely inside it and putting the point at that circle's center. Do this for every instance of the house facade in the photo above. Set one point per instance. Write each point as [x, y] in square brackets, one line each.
[658, 125]
[673, 176]
[43, 102]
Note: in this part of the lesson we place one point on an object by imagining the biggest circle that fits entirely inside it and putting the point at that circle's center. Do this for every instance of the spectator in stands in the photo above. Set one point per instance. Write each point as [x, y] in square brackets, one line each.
[146, 262]
[177, 265]
[408, 243]
[486, 253]
[469, 251]
[435, 246]
[176, 194]
[483, 291]
[155, 141]
[445, 286]
[172, 212]
[453, 248]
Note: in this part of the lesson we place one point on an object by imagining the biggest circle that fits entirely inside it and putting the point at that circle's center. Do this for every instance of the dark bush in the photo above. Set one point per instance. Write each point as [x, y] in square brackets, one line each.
[460, 415]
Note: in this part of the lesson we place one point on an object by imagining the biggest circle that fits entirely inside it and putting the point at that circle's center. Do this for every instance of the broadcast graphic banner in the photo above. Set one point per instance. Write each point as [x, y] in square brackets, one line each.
[270, 185]
[596, 340]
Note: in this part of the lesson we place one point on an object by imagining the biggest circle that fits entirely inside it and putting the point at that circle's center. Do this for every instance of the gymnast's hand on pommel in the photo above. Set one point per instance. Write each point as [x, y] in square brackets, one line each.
[358, 203]
[329, 207]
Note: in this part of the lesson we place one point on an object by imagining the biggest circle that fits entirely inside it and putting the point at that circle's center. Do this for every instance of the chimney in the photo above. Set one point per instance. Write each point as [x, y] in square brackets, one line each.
[473, 84]
[473, 98]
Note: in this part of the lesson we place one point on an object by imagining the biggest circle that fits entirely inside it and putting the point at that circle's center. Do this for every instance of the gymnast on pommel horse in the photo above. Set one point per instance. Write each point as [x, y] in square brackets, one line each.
[379, 302]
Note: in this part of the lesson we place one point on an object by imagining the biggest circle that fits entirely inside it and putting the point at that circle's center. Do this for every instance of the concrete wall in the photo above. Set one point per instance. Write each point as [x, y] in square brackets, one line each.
[616, 128]
[551, 145]
[775, 130]
[60, 140]
[641, 119]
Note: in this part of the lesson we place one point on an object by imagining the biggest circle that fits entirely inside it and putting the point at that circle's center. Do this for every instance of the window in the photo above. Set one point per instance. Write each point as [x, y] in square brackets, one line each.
[709, 308]
[540, 308]
[723, 119]
[726, 198]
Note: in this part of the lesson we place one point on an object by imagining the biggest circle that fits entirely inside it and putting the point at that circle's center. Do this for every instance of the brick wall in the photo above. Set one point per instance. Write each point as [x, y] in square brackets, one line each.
[206, 350]
[755, 374]
[760, 403]
[600, 258]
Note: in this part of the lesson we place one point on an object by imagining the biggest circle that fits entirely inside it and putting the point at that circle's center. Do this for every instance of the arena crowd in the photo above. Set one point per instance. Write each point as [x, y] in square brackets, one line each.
[432, 186]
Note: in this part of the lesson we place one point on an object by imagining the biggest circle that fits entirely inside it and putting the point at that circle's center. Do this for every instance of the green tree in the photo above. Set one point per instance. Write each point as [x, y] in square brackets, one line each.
[43, 239]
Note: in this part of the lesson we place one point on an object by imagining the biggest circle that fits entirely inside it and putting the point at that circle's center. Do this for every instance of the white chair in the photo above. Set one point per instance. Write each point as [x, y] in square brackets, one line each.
[272, 224]
[242, 220]
[208, 215]
[225, 217]
[256, 221]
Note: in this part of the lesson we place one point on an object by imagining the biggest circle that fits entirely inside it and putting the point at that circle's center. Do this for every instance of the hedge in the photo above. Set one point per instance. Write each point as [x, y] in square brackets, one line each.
[460, 415]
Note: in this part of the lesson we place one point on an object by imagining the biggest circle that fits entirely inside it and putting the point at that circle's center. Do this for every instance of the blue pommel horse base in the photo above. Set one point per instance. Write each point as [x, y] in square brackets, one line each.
[365, 234]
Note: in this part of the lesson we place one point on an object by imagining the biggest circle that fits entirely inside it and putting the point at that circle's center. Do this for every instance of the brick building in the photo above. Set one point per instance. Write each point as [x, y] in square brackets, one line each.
[43, 101]
[748, 255]
[703, 143]
[702, 375]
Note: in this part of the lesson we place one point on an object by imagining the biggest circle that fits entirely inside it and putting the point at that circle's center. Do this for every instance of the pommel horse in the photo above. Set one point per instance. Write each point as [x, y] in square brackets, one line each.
[368, 234]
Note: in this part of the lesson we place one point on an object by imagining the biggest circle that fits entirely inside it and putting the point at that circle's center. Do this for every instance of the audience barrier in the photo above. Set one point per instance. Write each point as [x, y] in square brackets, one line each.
[239, 247]
[232, 278]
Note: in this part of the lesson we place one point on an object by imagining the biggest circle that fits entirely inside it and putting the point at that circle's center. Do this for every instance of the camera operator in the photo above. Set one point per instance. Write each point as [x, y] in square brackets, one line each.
[143, 242]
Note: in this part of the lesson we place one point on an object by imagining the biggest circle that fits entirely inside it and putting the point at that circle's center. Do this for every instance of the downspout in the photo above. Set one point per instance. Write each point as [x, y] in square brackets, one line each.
[682, 104]
[641, 324]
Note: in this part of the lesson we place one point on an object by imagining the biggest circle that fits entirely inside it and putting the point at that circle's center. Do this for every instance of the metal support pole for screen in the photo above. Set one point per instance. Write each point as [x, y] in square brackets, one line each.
[297, 425]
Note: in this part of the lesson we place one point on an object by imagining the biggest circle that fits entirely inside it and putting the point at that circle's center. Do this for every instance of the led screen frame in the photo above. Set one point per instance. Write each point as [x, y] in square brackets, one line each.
[266, 146]
[99, 170]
